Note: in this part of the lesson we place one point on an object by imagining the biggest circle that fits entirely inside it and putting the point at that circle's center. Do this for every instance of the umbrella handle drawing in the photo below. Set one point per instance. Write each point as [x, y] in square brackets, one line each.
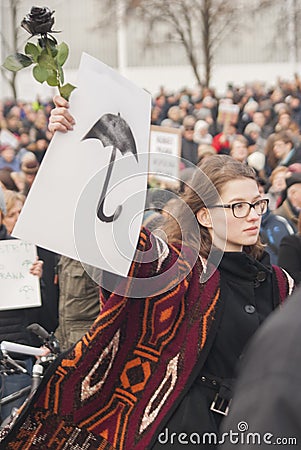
[112, 131]
[100, 207]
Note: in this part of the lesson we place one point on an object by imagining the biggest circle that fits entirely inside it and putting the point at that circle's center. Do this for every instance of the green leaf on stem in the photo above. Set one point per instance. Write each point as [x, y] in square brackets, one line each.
[61, 75]
[62, 54]
[17, 62]
[40, 73]
[66, 90]
[52, 79]
[53, 47]
[32, 50]
[45, 60]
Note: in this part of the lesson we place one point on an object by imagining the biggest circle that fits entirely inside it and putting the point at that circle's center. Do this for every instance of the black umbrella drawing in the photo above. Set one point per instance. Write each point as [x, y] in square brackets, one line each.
[113, 131]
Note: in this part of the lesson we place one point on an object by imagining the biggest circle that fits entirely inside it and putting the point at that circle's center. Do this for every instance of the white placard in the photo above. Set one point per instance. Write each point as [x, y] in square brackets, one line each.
[18, 288]
[60, 213]
[165, 153]
[227, 113]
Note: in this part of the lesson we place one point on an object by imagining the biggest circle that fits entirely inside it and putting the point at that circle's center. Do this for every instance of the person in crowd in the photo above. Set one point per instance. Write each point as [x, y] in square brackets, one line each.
[284, 121]
[260, 120]
[185, 106]
[222, 141]
[284, 150]
[291, 205]
[271, 161]
[47, 316]
[290, 254]
[29, 169]
[249, 110]
[201, 134]
[205, 151]
[252, 133]
[8, 158]
[7, 180]
[39, 136]
[295, 106]
[160, 358]
[14, 202]
[239, 149]
[265, 411]
[273, 228]
[13, 122]
[277, 186]
[13, 323]
[257, 161]
[174, 117]
[189, 147]
[79, 300]
[155, 115]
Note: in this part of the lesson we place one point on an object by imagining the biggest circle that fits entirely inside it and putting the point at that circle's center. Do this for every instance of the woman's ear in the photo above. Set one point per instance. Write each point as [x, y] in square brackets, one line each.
[204, 217]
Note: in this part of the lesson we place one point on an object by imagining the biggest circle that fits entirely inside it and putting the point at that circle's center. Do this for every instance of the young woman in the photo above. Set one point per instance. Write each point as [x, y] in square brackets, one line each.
[157, 367]
[14, 203]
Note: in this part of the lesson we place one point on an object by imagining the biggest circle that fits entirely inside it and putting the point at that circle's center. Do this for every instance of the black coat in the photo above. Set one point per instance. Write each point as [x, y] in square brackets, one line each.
[189, 152]
[295, 157]
[290, 256]
[247, 297]
[267, 396]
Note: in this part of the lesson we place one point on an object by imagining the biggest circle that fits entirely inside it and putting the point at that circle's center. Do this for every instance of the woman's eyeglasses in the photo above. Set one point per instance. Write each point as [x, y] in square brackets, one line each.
[243, 209]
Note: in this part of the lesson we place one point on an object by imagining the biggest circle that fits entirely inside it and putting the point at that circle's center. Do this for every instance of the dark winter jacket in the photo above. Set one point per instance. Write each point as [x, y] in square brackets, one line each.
[266, 403]
[290, 256]
[273, 229]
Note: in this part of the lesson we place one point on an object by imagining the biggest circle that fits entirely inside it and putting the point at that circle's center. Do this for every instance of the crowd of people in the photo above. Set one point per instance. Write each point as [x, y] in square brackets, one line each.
[263, 132]
[192, 331]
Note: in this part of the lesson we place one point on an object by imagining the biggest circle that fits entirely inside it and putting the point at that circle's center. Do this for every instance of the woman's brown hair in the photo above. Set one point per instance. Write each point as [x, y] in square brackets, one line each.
[203, 191]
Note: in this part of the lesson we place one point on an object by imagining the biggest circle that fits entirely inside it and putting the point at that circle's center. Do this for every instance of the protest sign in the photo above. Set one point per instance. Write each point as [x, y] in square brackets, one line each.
[227, 113]
[19, 289]
[165, 153]
[88, 198]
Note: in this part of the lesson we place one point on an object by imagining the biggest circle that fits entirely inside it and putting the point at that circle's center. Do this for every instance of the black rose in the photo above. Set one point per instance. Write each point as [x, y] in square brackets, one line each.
[38, 21]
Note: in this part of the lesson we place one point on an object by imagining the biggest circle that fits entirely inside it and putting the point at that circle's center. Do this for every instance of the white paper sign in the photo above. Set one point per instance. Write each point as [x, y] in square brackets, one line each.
[165, 153]
[19, 289]
[81, 205]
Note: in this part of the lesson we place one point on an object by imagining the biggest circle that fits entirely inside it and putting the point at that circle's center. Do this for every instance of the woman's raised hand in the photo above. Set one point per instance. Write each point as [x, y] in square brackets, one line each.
[60, 117]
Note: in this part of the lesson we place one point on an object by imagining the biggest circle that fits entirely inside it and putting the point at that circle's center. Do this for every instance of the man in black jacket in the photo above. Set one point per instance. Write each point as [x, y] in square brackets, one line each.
[266, 406]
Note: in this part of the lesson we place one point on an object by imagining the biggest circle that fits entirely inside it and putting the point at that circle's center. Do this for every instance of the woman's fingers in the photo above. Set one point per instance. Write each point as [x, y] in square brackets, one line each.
[60, 120]
[60, 101]
[37, 268]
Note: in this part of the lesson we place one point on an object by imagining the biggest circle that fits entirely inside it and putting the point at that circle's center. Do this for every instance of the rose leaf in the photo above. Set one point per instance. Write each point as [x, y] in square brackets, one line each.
[45, 60]
[32, 50]
[63, 52]
[52, 79]
[17, 62]
[66, 90]
[40, 73]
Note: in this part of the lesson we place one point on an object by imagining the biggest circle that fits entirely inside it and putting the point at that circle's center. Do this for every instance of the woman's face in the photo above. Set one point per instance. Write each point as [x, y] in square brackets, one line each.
[239, 151]
[279, 183]
[229, 233]
[8, 154]
[12, 215]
